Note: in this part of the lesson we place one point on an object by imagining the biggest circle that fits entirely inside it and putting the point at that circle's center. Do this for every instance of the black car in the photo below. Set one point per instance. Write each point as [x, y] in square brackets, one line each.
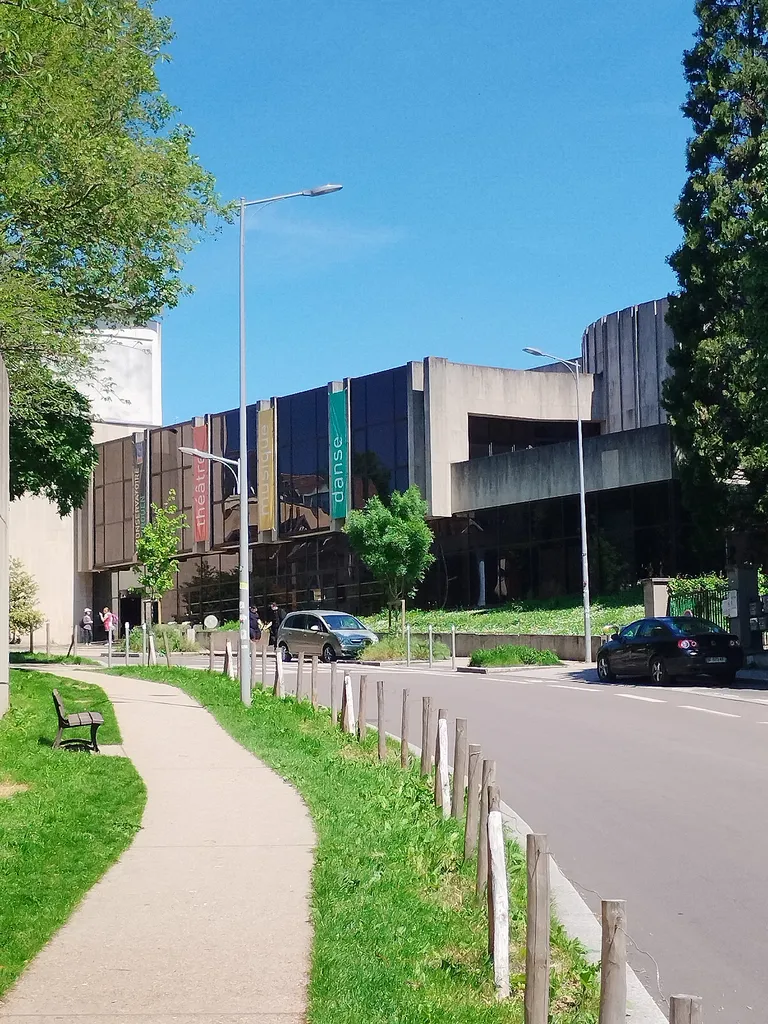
[667, 648]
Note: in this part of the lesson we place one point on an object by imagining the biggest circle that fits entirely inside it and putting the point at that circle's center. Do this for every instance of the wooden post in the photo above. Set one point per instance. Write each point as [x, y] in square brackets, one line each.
[254, 670]
[348, 716]
[685, 1010]
[537, 935]
[334, 696]
[167, 649]
[278, 687]
[313, 682]
[405, 754]
[473, 800]
[408, 644]
[300, 677]
[426, 753]
[498, 895]
[460, 768]
[442, 782]
[453, 648]
[152, 656]
[229, 661]
[144, 648]
[431, 648]
[489, 776]
[211, 655]
[109, 648]
[47, 639]
[362, 709]
[402, 617]
[74, 641]
[127, 643]
[264, 665]
[380, 720]
[613, 963]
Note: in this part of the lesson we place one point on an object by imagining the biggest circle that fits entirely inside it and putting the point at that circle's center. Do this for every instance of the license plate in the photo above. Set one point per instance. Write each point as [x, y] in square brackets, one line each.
[716, 661]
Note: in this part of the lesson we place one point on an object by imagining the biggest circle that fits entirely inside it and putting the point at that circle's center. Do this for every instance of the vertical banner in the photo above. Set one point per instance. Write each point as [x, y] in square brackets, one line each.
[139, 487]
[265, 475]
[339, 453]
[201, 481]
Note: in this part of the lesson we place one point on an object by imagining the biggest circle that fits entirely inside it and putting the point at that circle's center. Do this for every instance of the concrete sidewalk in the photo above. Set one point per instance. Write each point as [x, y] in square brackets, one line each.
[206, 916]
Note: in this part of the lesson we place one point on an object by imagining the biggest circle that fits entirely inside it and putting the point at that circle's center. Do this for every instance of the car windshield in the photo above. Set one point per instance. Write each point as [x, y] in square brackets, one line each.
[343, 622]
[689, 625]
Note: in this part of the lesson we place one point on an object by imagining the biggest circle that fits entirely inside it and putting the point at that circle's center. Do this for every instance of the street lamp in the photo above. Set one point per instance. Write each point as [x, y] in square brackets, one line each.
[244, 660]
[573, 366]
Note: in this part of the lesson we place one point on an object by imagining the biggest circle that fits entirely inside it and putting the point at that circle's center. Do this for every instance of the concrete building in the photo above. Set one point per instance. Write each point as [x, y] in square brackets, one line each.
[125, 397]
[492, 449]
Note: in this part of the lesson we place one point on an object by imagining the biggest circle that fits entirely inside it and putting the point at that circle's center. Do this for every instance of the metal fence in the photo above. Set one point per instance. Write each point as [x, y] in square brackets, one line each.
[704, 604]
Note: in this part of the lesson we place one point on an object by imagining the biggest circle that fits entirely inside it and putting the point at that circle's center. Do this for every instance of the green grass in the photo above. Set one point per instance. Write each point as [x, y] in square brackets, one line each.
[76, 816]
[37, 658]
[558, 615]
[512, 654]
[398, 935]
[392, 648]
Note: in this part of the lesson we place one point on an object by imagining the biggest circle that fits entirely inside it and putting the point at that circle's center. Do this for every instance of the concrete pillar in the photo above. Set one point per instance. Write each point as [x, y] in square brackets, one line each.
[655, 597]
[745, 624]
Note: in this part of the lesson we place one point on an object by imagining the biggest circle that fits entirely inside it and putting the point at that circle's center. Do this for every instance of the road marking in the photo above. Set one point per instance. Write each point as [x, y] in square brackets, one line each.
[577, 689]
[728, 696]
[636, 696]
[709, 711]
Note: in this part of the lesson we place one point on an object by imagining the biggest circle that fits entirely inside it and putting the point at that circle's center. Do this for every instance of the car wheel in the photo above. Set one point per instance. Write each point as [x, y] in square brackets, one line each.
[328, 654]
[285, 654]
[659, 674]
[604, 670]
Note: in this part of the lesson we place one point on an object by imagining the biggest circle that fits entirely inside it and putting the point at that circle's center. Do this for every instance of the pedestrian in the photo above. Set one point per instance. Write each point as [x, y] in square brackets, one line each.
[254, 623]
[109, 621]
[688, 614]
[275, 616]
[86, 625]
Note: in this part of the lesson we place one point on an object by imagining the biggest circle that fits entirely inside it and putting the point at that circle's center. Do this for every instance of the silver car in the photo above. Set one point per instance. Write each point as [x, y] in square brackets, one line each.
[330, 635]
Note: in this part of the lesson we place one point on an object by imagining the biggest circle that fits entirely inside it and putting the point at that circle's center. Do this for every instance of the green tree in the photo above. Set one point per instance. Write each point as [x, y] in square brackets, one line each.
[393, 541]
[717, 397]
[100, 194]
[23, 615]
[158, 548]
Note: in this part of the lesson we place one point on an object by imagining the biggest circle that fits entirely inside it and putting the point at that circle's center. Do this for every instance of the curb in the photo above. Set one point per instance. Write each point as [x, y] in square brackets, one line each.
[502, 669]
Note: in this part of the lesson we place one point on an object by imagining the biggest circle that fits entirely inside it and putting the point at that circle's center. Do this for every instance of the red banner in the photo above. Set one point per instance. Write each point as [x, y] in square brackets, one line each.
[202, 476]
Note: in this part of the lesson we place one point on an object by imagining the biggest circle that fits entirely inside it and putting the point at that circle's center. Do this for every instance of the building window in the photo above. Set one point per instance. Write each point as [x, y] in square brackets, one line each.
[302, 462]
[225, 503]
[379, 423]
[113, 540]
[495, 435]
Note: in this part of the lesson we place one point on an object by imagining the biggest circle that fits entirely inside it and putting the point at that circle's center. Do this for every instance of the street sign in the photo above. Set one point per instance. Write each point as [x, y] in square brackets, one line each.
[338, 443]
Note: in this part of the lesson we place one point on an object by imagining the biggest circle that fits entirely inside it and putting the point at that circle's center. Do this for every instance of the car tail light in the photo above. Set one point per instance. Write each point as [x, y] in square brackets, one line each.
[687, 645]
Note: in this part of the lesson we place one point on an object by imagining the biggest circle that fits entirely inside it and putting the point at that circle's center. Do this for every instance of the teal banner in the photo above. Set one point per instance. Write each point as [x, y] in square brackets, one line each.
[338, 441]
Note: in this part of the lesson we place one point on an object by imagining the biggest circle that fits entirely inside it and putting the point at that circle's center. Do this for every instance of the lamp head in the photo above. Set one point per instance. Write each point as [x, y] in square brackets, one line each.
[535, 352]
[322, 190]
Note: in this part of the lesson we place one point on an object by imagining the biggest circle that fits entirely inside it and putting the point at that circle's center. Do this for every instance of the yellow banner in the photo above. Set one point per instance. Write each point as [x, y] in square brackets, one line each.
[266, 469]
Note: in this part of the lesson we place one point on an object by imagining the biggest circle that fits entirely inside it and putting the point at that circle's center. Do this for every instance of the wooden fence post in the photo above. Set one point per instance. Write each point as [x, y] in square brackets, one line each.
[47, 639]
[73, 647]
[380, 720]
[109, 648]
[264, 664]
[167, 649]
[442, 783]
[313, 682]
[431, 647]
[334, 696]
[362, 709]
[453, 648]
[254, 670]
[279, 686]
[348, 711]
[211, 654]
[473, 800]
[127, 643]
[613, 963]
[685, 1010]
[498, 895]
[152, 652]
[537, 934]
[460, 768]
[300, 676]
[489, 776]
[144, 645]
[405, 755]
[426, 754]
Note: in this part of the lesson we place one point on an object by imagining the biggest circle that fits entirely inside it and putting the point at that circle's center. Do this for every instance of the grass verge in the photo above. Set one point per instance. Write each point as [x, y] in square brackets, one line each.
[398, 935]
[393, 648]
[512, 654]
[560, 615]
[65, 817]
[37, 658]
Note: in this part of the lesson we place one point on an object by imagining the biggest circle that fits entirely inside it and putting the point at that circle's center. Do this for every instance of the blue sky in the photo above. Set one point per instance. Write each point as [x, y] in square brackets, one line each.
[510, 172]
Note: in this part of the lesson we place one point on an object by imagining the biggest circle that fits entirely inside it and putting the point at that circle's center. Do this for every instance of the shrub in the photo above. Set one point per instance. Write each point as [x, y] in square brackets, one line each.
[512, 654]
[392, 648]
[177, 639]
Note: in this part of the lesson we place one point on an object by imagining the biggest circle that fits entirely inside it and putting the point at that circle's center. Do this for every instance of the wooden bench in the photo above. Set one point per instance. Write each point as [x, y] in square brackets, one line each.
[76, 721]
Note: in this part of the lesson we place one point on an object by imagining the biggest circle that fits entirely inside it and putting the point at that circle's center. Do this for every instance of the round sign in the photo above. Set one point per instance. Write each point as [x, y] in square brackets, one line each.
[210, 622]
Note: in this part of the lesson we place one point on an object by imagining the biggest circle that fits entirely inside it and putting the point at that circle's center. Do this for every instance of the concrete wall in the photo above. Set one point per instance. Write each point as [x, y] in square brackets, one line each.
[610, 461]
[453, 391]
[4, 553]
[126, 389]
[565, 646]
[629, 349]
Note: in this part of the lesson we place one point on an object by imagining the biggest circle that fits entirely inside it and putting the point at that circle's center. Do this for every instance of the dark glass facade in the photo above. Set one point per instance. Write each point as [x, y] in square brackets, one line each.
[379, 427]
[225, 506]
[113, 501]
[172, 471]
[302, 462]
[495, 435]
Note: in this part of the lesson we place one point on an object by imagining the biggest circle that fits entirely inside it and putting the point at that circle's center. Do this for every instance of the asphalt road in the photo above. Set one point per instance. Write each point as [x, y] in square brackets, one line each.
[653, 795]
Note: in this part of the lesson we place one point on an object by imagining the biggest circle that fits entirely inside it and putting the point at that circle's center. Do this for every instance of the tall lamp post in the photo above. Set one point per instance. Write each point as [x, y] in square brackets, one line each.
[573, 366]
[244, 660]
